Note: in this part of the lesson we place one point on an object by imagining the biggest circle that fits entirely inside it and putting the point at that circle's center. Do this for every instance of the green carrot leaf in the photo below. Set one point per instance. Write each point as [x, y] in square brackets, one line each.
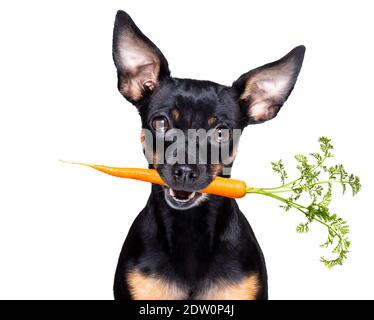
[315, 182]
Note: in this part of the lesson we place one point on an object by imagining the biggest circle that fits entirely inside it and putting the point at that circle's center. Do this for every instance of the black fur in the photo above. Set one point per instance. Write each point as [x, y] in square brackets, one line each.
[191, 247]
[211, 241]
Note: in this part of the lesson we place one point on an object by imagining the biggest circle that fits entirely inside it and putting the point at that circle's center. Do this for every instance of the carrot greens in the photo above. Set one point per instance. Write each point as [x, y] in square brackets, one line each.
[311, 194]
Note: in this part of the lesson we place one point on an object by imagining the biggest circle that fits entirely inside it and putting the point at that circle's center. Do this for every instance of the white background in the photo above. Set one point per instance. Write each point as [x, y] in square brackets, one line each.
[62, 226]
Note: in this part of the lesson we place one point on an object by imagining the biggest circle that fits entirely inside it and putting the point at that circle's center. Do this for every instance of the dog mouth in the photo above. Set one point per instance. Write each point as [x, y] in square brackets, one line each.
[181, 199]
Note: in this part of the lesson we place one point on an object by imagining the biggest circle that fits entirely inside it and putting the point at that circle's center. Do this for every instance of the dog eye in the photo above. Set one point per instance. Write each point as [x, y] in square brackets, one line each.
[222, 134]
[160, 124]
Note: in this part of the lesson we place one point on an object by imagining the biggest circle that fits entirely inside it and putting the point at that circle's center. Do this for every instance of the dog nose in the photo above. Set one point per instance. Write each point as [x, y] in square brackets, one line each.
[186, 173]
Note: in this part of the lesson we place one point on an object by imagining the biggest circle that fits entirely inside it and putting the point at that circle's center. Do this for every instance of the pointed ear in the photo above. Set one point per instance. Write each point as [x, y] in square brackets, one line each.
[264, 90]
[140, 64]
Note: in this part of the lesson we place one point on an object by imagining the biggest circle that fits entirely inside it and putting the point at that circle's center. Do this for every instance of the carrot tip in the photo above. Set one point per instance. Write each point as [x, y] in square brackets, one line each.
[72, 162]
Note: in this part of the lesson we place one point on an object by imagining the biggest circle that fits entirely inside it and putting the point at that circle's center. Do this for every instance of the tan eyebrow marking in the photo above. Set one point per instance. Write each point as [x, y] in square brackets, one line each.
[175, 113]
[142, 138]
[216, 169]
[212, 120]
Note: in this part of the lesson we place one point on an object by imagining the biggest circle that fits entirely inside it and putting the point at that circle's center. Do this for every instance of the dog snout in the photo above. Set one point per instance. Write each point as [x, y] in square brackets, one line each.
[187, 177]
[186, 174]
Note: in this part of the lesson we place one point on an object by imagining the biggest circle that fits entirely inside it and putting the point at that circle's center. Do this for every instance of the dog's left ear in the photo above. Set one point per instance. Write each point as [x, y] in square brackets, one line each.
[140, 64]
[262, 92]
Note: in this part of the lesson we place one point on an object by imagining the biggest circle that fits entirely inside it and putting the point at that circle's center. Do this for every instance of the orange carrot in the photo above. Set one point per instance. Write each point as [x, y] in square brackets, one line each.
[224, 187]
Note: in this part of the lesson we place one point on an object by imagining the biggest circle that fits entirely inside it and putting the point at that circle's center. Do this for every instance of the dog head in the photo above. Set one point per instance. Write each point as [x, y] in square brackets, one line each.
[187, 124]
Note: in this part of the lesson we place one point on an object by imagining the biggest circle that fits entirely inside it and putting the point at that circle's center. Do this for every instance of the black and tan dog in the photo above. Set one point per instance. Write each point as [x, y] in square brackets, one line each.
[185, 244]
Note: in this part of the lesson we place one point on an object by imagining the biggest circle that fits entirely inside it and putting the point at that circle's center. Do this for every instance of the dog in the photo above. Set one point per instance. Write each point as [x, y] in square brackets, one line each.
[187, 245]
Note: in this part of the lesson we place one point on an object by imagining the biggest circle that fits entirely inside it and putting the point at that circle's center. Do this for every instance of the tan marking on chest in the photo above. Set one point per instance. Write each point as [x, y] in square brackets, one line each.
[144, 287]
[246, 289]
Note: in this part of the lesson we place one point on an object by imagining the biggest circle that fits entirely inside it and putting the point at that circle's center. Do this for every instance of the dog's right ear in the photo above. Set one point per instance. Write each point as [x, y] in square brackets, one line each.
[140, 64]
[263, 91]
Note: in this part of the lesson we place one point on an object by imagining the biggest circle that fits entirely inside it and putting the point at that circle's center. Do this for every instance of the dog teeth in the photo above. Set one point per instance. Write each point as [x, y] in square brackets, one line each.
[171, 192]
[185, 200]
[191, 195]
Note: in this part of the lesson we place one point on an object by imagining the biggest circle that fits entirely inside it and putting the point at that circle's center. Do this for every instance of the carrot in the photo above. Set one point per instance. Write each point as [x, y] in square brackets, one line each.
[313, 182]
[227, 187]
[224, 187]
